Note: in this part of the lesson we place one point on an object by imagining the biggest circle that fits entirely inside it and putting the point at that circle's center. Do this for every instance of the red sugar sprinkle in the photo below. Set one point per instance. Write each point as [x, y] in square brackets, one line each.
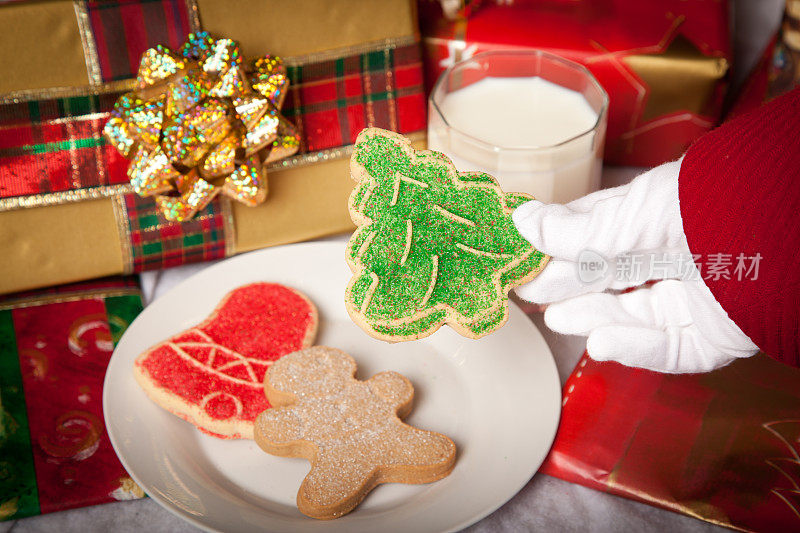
[219, 365]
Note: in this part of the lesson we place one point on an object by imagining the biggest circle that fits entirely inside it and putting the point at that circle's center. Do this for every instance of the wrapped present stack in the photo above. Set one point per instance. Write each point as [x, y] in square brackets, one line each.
[663, 64]
[68, 208]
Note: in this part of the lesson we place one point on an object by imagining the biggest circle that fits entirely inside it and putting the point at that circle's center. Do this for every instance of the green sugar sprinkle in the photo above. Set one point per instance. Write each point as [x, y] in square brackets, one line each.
[433, 246]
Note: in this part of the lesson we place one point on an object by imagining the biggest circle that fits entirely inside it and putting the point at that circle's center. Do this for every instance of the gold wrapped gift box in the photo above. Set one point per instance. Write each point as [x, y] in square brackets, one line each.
[52, 238]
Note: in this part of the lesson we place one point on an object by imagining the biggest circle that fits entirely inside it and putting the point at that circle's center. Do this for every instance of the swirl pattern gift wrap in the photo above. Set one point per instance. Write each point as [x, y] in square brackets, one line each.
[55, 345]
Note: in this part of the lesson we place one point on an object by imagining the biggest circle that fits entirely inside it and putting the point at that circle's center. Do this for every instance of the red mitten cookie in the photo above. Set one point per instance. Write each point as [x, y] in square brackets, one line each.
[212, 374]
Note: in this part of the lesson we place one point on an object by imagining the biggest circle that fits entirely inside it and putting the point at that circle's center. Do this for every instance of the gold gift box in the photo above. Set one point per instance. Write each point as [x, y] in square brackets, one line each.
[60, 241]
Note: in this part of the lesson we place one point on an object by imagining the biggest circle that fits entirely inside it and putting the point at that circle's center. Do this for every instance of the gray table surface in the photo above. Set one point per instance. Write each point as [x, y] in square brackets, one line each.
[545, 503]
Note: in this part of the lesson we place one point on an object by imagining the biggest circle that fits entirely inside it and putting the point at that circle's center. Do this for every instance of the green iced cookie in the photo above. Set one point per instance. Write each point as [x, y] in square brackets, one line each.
[432, 246]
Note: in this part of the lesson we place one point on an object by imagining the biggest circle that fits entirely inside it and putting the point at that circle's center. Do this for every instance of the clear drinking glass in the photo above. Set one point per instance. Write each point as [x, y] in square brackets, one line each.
[493, 125]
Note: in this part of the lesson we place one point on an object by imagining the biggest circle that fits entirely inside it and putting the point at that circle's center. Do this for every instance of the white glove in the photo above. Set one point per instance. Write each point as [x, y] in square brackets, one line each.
[619, 238]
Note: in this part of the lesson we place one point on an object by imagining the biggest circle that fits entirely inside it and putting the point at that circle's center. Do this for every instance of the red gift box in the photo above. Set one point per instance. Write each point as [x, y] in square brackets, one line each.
[663, 64]
[55, 345]
[722, 446]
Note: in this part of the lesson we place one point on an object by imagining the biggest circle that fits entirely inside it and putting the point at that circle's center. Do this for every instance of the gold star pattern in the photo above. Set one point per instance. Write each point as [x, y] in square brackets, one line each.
[201, 122]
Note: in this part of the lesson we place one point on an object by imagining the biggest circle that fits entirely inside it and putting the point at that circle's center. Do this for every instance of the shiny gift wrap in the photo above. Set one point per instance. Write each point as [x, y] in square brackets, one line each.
[55, 346]
[201, 122]
[723, 446]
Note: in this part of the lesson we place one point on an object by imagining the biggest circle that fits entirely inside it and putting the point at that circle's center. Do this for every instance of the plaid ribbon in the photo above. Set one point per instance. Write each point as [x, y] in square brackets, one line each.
[156, 243]
[332, 101]
[57, 145]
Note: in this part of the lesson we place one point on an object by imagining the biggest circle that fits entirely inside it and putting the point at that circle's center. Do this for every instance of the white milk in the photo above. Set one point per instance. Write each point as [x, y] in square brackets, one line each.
[521, 112]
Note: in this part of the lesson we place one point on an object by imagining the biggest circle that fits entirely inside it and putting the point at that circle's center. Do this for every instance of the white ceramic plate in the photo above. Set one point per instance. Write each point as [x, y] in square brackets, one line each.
[498, 398]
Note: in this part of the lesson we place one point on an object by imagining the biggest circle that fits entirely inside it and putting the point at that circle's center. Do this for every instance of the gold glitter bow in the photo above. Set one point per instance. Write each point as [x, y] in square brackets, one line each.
[200, 122]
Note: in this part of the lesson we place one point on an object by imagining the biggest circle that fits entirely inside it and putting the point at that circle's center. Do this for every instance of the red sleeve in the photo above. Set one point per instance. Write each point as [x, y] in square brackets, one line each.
[739, 190]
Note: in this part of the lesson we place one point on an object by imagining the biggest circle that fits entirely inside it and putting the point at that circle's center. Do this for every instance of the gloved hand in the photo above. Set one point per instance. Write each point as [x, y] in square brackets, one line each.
[619, 238]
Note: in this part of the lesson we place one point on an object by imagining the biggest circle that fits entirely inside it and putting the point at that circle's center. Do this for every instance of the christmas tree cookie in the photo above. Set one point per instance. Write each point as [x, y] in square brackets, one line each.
[433, 246]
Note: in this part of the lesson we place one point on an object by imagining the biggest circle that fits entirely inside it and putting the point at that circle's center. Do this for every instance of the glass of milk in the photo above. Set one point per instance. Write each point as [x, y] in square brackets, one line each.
[533, 120]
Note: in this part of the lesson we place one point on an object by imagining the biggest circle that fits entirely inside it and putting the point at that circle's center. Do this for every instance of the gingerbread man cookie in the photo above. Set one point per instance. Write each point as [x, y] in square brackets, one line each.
[350, 430]
[433, 246]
